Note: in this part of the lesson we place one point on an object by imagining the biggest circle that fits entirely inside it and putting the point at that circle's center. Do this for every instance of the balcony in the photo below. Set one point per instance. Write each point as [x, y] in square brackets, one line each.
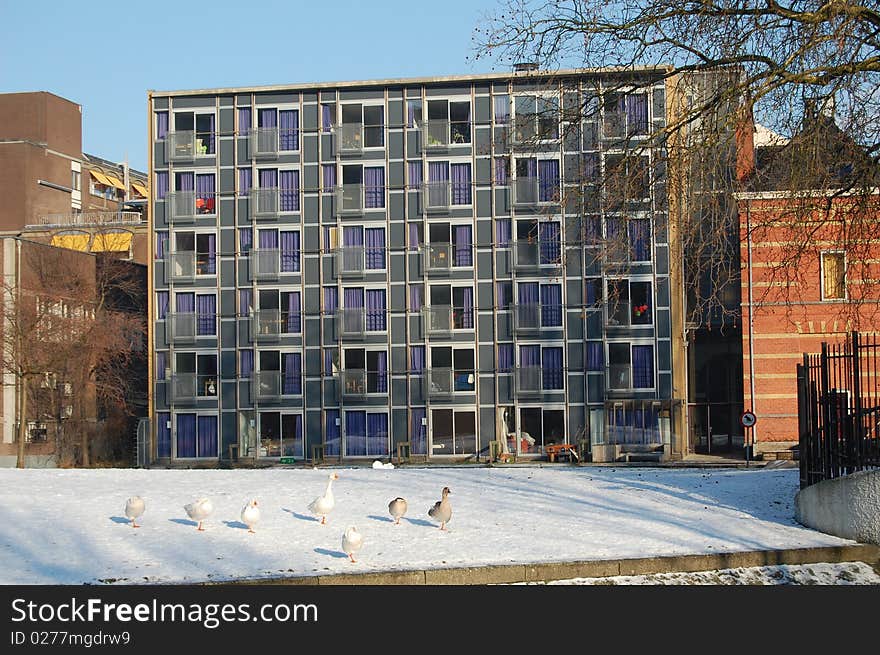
[263, 143]
[351, 323]
[525, 191]
[264, 264]
[184, 207]
[440, 134]
[445, 382]
[437, 258]
[526, 318]
[183, 326]
[186, 265]
[534, 255]
[190, 387]
[266, 325]
[356, 384]
[436, 196]
[350, 261]
[536, 381]
[441, 320]
[350, 199]
[88, 219]
[349, 138]
[264, 204]
[271, 385]
[187, 145]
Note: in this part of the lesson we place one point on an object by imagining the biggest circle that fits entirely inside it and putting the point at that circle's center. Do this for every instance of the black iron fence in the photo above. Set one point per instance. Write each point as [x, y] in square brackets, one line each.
[839, 409]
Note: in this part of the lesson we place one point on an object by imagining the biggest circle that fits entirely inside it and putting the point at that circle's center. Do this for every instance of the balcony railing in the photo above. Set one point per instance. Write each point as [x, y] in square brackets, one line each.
[350, 199]
[357, 383]
[266, 324]
[189, 387]
[436, 196]
[265, 263]
[441, 133]
[351, 322]
[187, 145]
[183, 326]
[186, 265]
[350, 261]
[186, 206]
[525, 191]
[444, 382]
[268, 385]
[88, 219]
[437, 258]
[349, 138]
[537, 381]
[264, 203]
[526, 317]
[439, 320]
[531, 254]
[263, 142]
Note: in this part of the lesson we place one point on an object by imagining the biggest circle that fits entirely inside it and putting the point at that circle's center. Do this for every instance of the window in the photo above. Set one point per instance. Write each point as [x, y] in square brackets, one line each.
[449, 245]
[538, 243]
[449, 122]
[541, 368]
[363, 371]
[367, 121]
[196, 436]
[190, 125]
[629, 302]
[196, 252]
[625, 114]
[451, 370]
[366, 433]
[834, 275]
[195, 315]
[161, 125]
[539, 427]
[193, 194]
[278, 191]
[440, 192]
[76, 180]
[627, 179]
[538, 306]
[278, 312]
[628, 239]
[537, 180]
[413, 113]
[453, 431]
[450, 308]
[358, 318]
[37, 432]
[279, 374]
[630, 366]
[278, 129]
[535, 118]
[363, 248]
[195, 375]
[362, 187]
[281, 434]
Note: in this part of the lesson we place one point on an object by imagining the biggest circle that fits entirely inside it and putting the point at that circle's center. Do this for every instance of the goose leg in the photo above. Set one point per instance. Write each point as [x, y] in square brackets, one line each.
[351, 557]
[200, 528]
[134, 525]
[323, 520]
[397, 522]
[251, 531]
[443, 526]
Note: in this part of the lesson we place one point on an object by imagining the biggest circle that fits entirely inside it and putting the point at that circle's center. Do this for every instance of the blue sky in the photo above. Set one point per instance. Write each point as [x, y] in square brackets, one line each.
[106, 56]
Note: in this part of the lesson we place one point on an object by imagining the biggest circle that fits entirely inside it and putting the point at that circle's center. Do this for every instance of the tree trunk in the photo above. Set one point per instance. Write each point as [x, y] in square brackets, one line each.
[22, 421]
[84, 443]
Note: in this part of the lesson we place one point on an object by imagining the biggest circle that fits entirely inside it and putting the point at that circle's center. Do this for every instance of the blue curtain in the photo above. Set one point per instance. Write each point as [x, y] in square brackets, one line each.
[161, 364]
[414, 172]
[352, 236]
[461, 184]
[503, 232]
[268, 239]
[186, 435]
[331, 300]
[245, 239]
[414, 236]
[244, 181]
[185, 303]
[355, 433]
[594, 356]
[529, 356]
[331, 432]
[505, 293]
[267, 118]
[246, 363]
[502, 164]
[184, 182]
[637, 113]
[551, 368]
[161, 124]
[205, 193]
[438, 171]
[244, 302]
[328, 177]
[244, 120]
[505, 357]
[268, 178]
[375, 253]
[161, 243]
[288, 134]
[208, 436]
[326, 118]
[289, 252]
[551, 305]
[377, 434]
[211, 261]
[415, 297]
[643, 367]
[382, 372]
[463, 246]
[527, 293]
[640, 239]
[353, 300]
[548, 180]
[161, 184]
[417, 359]
[289, 191]
[467, 310]
[294, 315]
[206, 314]
[163, 434]
[162, 304]
[292, 380]
[374, 187]
[418, 433]
[375, 309]
[550, 245]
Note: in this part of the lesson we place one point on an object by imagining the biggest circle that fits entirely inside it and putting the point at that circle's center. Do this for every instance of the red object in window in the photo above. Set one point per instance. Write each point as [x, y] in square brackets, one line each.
[210, 205]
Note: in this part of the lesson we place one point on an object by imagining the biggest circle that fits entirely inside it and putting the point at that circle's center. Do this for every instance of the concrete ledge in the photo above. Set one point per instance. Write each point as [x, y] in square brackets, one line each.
[545, 572]
[848, 506]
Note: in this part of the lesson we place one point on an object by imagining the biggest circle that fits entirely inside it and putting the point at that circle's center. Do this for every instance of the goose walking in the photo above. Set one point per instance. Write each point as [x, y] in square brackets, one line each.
[323, 505]
[442, 509]
[134, 509]
[250, 515]
[352, 541]
[397, 508]
[199, 511]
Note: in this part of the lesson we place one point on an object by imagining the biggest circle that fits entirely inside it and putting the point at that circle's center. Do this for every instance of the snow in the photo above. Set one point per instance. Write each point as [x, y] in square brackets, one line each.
[68, 526]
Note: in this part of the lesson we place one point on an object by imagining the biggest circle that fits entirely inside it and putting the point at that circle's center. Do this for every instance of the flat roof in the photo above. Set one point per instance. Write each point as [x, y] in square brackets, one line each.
[406, 81]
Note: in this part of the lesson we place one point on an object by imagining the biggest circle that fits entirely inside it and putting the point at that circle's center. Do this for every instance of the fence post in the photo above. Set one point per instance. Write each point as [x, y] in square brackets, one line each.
[803, 426]
[855, 436]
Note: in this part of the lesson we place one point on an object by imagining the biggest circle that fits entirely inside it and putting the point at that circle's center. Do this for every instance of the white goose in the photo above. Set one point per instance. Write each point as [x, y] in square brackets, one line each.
[442, 509]
[323, 505]
[250, 515]
[397, 508]
[352, 541]
[199, 511]
[134, 509]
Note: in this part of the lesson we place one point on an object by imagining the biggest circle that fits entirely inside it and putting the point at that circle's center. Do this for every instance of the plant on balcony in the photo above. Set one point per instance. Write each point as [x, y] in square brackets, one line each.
[638, 310]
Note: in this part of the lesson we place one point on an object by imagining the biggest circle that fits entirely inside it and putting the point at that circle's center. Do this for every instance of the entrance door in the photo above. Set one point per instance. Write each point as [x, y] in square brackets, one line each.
[539, 427]
[281, 435]
[453, 432]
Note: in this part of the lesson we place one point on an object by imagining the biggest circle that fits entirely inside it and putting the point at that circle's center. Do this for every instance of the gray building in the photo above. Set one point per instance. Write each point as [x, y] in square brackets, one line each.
[434, 261]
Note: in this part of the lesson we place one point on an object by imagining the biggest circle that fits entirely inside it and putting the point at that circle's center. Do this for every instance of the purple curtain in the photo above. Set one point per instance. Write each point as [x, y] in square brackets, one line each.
[415, 297]
[161, 124]
[161, 243]
[501, 171]
[548, 180]
[298, 435]
[613, 227]
[268, 178]
[206, 314]
[292, 380]
[529, 356]
[244, 302]
[374, 187]
[268, 239]
[290, 252]
[527, 293]
[328, 361]
[375, 253]
[244, 120]
[331, 300]
[382, 372]
[294, 314]
[505, 357]
[355, 433]
[288, 134]
[353, 299]
[551, 305]
[594, 356]
[267, 118]
[161, 184]
[502, 109]
[640, 239]
[467, 311]
[205, 194]
[352, 236]
[244, 181]
[414, 174]
[502, 232]
[212, 129]
[326, 118]
[186, 435]
[184, 182]
[461, 184]
[161, 364]
[551, 368]
[211, 255]
[162, 303]
[328, 177]
[245, 239]
[411, 113]
[375, 309]
[414, 240]
[246, 363]
[331, 432]
[550, 246]
[289, 191]
[163, 434]
[438, 171]
[185, 303]
[503, 289]
[377, 434]
[463, 250]
[207, 436]
[643, 367]
[418, 433]
[637, 113]
[417, 359]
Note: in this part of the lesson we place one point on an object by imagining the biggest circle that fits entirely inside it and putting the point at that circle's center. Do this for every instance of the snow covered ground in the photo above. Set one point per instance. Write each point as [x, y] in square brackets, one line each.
[67, 526]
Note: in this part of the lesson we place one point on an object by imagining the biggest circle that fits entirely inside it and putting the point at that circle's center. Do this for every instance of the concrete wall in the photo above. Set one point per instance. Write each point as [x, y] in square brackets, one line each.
[847, 507]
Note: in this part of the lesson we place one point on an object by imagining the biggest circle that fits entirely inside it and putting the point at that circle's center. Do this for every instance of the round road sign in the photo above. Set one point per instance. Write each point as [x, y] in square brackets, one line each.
[748, 419]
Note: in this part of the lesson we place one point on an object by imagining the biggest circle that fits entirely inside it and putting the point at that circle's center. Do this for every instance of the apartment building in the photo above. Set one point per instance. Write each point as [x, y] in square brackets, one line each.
[341, 268]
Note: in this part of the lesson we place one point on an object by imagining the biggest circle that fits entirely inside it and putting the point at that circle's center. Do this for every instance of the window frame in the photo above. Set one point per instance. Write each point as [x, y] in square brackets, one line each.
[279, 107]
[630, 280]
[196, 112]
[631, 343]
[822, 274]
[281, 352]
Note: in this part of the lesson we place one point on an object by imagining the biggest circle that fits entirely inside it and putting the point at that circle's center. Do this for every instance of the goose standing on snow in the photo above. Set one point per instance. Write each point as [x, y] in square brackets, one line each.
[199, 511]
[397, 508]
[442, 509]
[322, 505]
[134, 509]
[250, 515]
[352, 541]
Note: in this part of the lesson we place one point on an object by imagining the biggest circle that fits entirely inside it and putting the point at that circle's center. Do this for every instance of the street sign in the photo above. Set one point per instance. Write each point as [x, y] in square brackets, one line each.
[748, 419]
[287, 460]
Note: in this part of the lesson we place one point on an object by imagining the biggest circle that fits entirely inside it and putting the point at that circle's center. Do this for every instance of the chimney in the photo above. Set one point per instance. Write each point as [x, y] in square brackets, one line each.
[745, 144]
[525, 67]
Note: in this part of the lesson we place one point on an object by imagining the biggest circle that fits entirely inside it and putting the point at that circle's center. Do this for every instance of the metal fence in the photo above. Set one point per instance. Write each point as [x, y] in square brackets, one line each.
[839, 409]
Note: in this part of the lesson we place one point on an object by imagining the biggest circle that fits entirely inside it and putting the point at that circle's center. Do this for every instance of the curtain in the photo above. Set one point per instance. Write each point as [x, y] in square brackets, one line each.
[294, 315]
[353, 304]
[355, 433]
[502, 109]
[244, 120]
[288, 134]
[161, 184]
[438, 171]
[245, 239]
[163, 434]
[328, 362]
[289, 191]
[461, 183]
[299, 446]
[502, 232]
[374, 187]
[185, 303]
[411, 113]
[326, 118]
[331, 300]
[375, 253]
[244, 181]
[205, 194]
[551, 305]
[548, 180]
[352, 236]
[207, 436]
[161, 124]
[414, 174]
[640, 239]
[382, 372]
[268, 178]
[551, 368]
[529, 356]
[161, 364]
[183, 182]
[377, 434]
[211, 255]
[246, 363]
[244, 302]
[501, 169]
[212, 128]
[328, 177]
[414, 240]
[290, 252]
[528, 293]
[417, 359]
[415, 297]
[206, 314]
[418, 433]
[268, 239]
[643, 367]
[503, 290]
[162, 303]
[637, 113]
[505, 357]
[186, 435]
[594, 356]
[438, 184]
[267, 118]
[550, 246]
[331, 432]
[463, 250]
[292, 380]
[161, 243]
[375, 309]
[467, 311]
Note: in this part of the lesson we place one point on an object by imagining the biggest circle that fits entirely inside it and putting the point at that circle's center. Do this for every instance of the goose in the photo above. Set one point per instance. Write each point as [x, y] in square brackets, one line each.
[134, 509]
[397, 508]
[322, 505]
[250, 515]
[442, 509]
[199, 511]
[352, 541]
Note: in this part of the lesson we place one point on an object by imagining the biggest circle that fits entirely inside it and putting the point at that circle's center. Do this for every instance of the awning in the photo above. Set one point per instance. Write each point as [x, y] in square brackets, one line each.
[112, 242]
[72, 241]
[142, 190]
[100, 177]
[115, 181]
